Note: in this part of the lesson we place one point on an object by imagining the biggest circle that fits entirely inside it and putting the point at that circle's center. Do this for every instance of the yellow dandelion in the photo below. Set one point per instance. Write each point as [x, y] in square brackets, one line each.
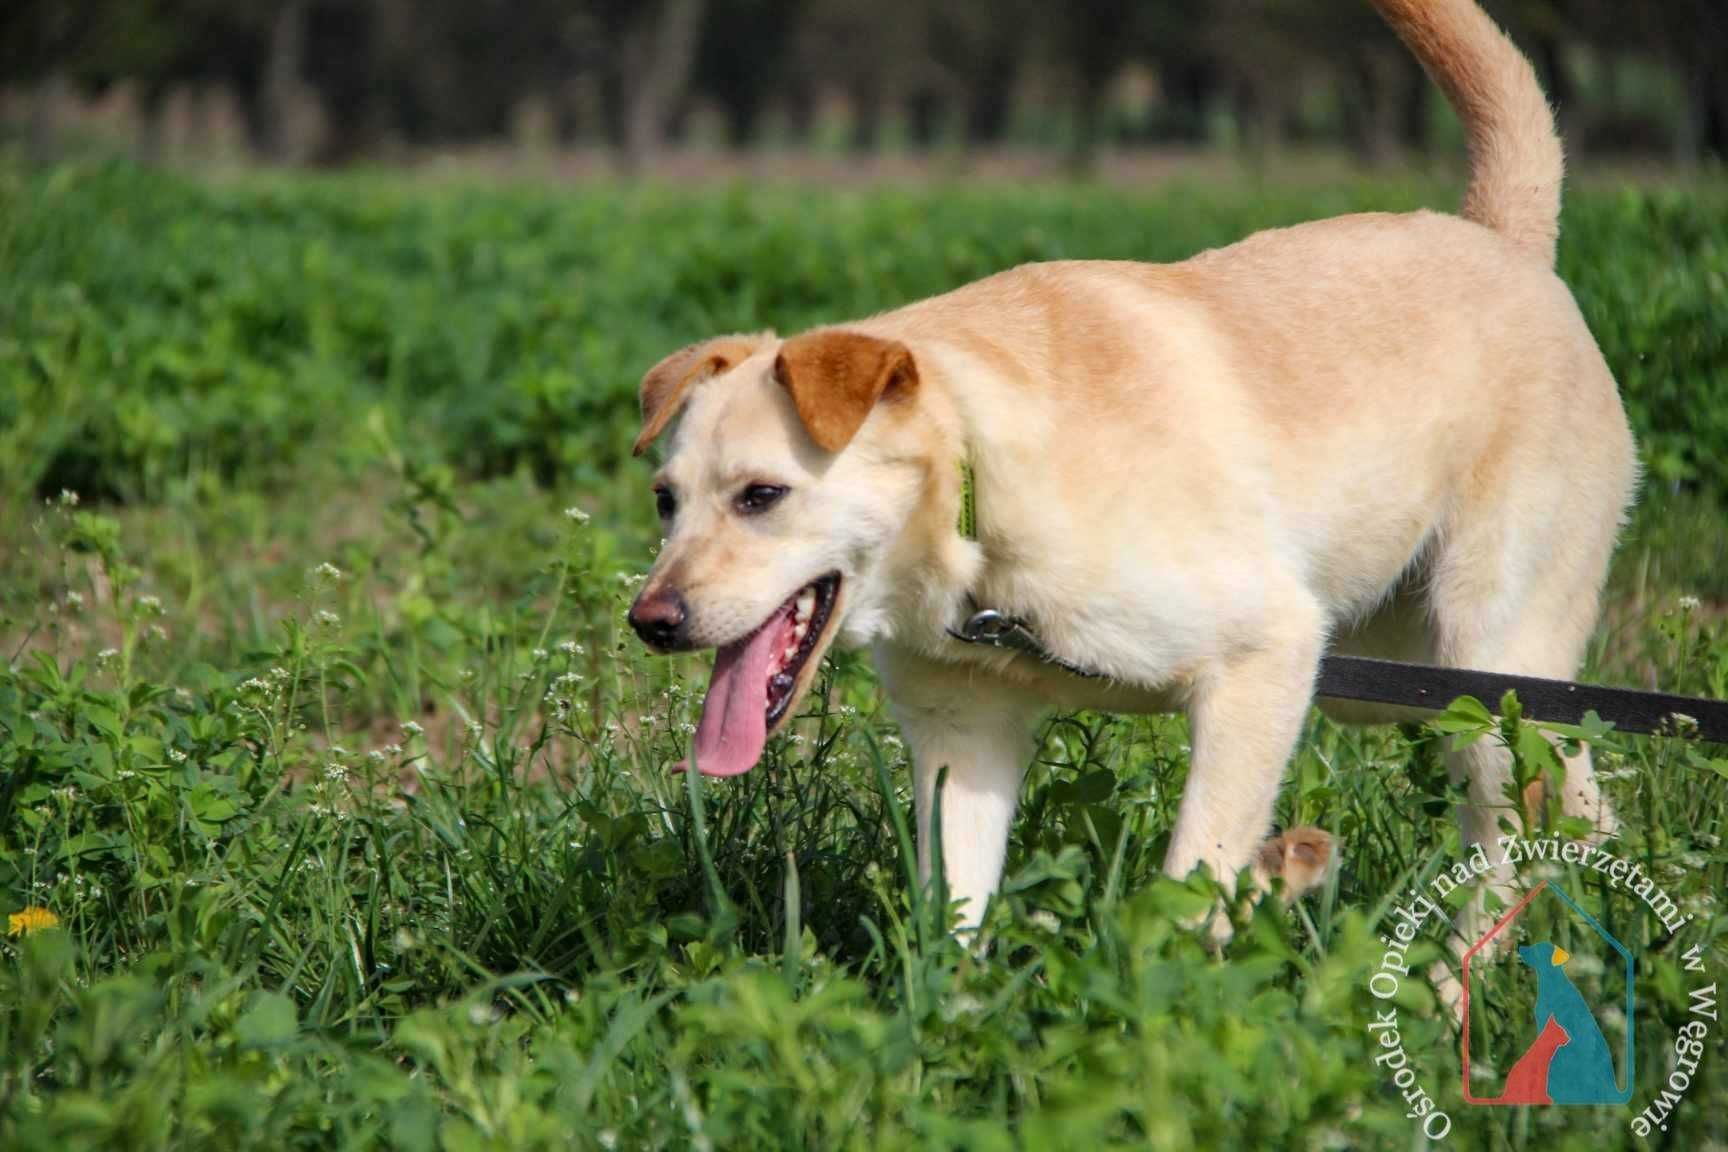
[32, 919]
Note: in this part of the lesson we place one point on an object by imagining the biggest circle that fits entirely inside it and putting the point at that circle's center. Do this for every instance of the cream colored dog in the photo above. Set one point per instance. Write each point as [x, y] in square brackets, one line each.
[1383, 434]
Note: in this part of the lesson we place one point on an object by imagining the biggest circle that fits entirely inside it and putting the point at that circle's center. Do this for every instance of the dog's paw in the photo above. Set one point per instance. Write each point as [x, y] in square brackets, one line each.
[1301, 857]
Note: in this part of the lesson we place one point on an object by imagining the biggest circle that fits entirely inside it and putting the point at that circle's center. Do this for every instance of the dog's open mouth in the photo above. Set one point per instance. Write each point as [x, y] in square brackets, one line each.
[758, 679]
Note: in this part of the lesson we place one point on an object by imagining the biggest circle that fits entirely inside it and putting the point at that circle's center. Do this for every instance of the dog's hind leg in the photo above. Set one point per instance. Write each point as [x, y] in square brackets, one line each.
[981, 732]
[1246, 715]
[1512, 593]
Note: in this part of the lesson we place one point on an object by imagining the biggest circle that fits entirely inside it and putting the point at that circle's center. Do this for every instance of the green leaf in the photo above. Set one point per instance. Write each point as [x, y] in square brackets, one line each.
[268, 1022]
[85, 844]
[1466, 719]
[211, 807]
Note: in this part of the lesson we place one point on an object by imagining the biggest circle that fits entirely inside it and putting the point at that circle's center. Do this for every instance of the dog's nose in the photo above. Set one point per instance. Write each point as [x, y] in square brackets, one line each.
[660, 619]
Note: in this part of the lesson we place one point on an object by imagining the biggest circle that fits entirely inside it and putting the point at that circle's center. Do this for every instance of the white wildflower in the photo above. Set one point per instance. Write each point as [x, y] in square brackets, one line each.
[325, 571]
[575, 515]
[335, 772]
[964, 1004]
[74, 600]
[107, 656]
[410, 728]
[176, 756]
[329, 619]
[68, 498]
[1682, 724]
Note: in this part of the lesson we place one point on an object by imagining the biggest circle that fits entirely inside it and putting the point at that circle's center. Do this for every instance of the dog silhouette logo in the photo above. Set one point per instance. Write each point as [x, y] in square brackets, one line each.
[1565, 1056]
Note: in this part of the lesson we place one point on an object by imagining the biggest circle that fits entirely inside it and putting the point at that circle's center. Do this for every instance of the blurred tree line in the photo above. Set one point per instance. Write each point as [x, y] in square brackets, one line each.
[1649, 76]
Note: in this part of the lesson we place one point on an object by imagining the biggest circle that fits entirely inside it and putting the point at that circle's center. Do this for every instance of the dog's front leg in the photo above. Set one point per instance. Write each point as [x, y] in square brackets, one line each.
[980, 731]
[1246, 715]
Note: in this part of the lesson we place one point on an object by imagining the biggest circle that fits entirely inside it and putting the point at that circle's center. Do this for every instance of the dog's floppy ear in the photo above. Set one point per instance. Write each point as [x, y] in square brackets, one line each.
[837, 377]
[667, 384]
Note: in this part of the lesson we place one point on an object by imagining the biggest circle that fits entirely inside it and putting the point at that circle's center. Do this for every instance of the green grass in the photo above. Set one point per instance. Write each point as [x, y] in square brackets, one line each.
[387, 854]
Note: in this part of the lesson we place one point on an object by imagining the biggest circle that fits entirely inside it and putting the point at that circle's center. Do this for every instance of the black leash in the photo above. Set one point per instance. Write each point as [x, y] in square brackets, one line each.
[1557, 701]
[1429, 686]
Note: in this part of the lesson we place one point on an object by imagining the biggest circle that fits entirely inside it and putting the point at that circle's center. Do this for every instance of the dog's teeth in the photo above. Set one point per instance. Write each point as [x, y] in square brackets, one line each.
[791, 651]
[806, 606]
[800, 630]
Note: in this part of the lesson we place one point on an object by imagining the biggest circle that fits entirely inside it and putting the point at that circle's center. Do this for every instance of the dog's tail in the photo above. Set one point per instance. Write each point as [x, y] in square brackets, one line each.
[1516, 163]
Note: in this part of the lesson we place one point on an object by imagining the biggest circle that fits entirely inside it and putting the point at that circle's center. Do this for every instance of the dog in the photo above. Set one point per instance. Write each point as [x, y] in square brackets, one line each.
[1387, 435]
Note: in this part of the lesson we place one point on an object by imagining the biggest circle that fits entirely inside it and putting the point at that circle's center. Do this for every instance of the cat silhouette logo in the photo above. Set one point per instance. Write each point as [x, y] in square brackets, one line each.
[1557, 1053]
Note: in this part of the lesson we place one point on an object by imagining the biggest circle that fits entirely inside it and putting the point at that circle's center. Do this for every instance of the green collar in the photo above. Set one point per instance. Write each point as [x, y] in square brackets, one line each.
[987, 626]
[967, 522]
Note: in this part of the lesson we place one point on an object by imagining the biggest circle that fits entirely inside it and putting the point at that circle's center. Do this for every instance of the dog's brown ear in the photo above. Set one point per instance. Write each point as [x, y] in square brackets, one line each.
[667, 384]
[837, 377]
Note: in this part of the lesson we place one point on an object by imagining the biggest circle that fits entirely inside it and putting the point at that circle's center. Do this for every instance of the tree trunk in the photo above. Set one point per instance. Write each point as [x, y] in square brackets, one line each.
[657, 53]
[46, 101]
[1372, 115]
[1189, 84]
[152, 121]
[1712, 102]
[990, 99]
[800, 109]
[1088, 125]
[866, 115]
[345, 51]
[1256, 121]
[1547, 53]
[1414, 121]
[282, 80]
[924, 116]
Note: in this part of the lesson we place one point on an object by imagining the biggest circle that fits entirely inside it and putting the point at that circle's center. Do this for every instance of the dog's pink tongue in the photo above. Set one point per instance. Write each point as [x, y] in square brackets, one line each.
[734, 725]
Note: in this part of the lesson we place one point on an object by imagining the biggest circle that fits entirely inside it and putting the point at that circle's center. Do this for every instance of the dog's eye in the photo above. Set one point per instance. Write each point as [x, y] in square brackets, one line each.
[760, 497]
[665, 503]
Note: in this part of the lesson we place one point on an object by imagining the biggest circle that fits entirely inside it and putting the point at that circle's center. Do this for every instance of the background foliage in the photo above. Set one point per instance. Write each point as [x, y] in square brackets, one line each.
[336, 81]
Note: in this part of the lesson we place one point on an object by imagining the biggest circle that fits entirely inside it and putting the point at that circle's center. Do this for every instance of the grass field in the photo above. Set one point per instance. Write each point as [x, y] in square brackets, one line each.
[322, 739]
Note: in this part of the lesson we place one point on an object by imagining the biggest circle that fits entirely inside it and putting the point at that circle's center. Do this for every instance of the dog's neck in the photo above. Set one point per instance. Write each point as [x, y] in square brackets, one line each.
[922, 583]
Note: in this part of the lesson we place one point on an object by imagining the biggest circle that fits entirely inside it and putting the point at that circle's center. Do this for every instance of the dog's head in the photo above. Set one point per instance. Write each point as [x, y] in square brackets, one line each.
[793, 466]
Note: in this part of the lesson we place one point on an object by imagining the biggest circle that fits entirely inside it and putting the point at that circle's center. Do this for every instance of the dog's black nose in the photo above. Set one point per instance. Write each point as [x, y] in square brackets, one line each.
[660, 618]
